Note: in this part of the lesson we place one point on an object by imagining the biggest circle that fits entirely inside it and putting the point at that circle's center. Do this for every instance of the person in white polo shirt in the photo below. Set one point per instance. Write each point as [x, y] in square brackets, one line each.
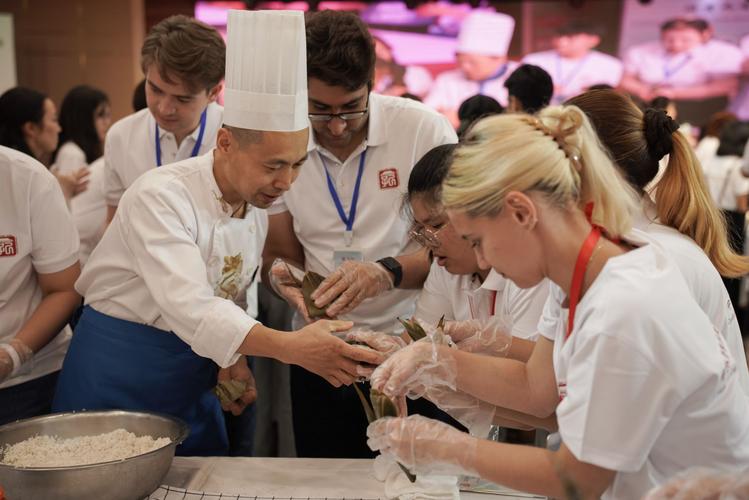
[345, 206]
[573, 64]
[680, 65]
[38, 266]
[183, 61]
[483, 66]
[165, 288]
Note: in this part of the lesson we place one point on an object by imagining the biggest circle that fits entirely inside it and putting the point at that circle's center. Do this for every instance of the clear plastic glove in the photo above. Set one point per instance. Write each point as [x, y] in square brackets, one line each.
[241, 372]
[286, 281]
[491, 336]
[416, 368]
[423, 445]
[351, 284]
[701, 483]
[475, 415]
[381, 342]
[315, 349]
[13, 356]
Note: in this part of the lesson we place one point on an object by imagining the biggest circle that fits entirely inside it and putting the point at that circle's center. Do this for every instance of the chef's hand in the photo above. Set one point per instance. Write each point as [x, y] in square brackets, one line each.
[13, 356]
[241, 372]
[491, 336]
[285, 280]
[354, 282]
[316, 350]
[423, 445]
[416, 368]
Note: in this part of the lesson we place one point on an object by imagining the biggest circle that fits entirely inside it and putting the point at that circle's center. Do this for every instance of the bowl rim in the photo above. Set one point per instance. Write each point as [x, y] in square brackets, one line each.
[183, 428]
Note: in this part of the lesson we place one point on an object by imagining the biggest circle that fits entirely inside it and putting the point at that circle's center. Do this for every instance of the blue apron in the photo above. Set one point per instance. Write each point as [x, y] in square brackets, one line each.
[118, 364]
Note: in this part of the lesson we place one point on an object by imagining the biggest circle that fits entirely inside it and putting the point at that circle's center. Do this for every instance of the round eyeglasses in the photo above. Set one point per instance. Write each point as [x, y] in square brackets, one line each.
[425, 236]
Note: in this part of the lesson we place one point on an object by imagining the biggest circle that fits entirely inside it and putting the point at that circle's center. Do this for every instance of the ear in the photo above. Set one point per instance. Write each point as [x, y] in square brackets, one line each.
[224, 140]
[214, 92]
[29, 129]
[522, 209]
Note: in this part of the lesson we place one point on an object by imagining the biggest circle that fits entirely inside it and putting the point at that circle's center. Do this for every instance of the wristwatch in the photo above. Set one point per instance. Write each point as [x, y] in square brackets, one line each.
[393, 267]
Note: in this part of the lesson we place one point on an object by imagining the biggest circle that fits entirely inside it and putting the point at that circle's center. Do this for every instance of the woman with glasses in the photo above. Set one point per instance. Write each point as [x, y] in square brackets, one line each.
[456, 286]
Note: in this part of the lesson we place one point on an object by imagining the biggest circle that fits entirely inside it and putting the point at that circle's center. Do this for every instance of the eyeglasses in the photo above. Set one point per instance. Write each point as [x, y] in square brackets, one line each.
[425, 236]
[348, 116]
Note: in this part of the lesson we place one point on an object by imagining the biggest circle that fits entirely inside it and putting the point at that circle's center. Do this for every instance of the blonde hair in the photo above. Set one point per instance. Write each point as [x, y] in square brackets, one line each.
[637, 141]
[556, 153]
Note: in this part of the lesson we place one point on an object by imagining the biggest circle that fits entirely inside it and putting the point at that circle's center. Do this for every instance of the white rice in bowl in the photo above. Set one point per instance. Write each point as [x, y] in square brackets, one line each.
[51, 451]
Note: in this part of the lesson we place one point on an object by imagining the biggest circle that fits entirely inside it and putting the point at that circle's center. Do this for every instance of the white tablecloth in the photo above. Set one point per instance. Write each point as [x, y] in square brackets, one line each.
[281, 478]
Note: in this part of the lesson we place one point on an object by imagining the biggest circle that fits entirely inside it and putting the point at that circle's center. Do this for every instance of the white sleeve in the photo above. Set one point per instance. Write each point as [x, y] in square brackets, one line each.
[618, 402]
[158, 229]
[525, 307]
[113, 185]
[434, 299]
[69, 159]
[435, 131]
[55, 242]
[726, 62]
[552, 313]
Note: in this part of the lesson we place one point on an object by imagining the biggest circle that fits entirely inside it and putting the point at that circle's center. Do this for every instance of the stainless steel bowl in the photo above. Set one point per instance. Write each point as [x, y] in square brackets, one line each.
[129, 479]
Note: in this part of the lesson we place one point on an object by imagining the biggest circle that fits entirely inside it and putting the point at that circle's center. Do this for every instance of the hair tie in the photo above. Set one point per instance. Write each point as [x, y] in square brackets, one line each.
[659, 128]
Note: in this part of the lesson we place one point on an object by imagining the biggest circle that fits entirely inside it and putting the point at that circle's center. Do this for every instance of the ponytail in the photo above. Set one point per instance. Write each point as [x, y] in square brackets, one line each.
[683, 202]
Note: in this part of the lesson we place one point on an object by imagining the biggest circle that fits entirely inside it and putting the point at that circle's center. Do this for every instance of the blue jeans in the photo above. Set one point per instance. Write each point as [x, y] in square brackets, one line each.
[30, 399]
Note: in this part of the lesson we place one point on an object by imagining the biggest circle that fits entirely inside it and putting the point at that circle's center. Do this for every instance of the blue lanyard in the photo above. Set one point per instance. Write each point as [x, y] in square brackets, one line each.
[347, 220]
[496, 75]
[563, 82]
[669, 72]
[195, 149]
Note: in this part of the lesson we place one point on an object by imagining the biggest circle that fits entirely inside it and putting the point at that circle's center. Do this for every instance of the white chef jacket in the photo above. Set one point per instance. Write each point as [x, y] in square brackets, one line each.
[464, 297]
[653, 65]
[648, 387]
[451, 88]
[130, 148]
[88, 208]
[723, 175]
[156, 262]
[400, 132]
[573, 76]
[740, 104]
[37, 235]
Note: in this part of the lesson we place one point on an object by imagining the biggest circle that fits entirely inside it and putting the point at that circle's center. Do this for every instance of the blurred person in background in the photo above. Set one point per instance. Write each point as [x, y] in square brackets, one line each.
[483, 66]
[709, 141]
[28, 123]
[529, 89]
[574, 64]
[85, 117]
[474, 108]
[392, 78]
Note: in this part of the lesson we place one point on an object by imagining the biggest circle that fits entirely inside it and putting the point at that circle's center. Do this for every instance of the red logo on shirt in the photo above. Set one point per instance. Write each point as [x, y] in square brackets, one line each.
[7, 245]
[389, 178]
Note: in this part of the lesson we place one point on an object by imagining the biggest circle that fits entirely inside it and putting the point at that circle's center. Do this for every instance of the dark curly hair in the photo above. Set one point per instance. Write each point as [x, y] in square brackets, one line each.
[340, 50]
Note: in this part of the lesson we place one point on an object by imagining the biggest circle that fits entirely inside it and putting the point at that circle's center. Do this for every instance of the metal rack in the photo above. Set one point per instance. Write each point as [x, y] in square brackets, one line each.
[170, 493]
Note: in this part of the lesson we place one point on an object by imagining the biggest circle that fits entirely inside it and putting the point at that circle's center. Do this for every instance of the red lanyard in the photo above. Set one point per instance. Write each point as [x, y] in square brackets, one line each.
[492, 303]
[581, 265]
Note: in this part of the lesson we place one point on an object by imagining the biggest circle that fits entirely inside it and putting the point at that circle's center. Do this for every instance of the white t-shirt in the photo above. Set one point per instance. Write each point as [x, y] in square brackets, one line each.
[88, 208]
[464, 297]
[740, 104]
[37, 235]
[400, 132]
[159, 262]
[573, 76]
[724, 179]
[451, 88]
[130, 148]
[653, 65]
[70, 158]
[648, 387]
[703, 280]
[706, 149]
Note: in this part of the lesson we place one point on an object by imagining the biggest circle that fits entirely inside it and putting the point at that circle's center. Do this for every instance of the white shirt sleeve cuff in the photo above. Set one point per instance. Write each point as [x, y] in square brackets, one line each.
[221, 333]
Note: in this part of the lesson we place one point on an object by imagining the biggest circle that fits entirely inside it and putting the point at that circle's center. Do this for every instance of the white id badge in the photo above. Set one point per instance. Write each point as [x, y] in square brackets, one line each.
[342, 255]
